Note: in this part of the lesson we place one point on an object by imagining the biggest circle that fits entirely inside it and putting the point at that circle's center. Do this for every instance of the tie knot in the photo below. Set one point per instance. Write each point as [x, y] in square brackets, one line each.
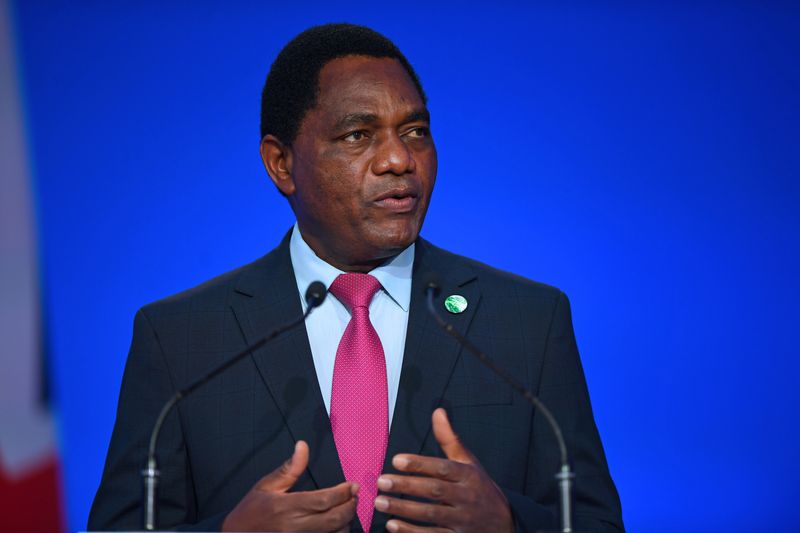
[355, 289]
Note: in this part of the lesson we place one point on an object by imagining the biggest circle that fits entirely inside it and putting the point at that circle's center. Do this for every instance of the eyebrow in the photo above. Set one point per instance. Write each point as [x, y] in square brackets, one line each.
[422, 115]
[357, 119]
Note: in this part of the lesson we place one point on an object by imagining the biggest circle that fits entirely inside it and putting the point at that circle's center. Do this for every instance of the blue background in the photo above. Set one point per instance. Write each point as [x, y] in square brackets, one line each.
[643, 158]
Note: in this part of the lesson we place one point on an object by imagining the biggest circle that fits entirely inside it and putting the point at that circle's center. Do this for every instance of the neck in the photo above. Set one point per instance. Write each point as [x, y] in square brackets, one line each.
[349, 266]
[347, 262]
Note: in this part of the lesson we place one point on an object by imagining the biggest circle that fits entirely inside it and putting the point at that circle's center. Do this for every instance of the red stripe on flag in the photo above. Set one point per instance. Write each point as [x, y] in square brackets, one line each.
[32, 503]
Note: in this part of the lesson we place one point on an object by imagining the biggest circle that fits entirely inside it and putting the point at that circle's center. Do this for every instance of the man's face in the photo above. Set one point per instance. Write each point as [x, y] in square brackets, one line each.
[363, 164]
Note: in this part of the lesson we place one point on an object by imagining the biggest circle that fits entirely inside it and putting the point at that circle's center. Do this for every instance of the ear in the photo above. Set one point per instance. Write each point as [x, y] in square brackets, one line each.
[277, 158]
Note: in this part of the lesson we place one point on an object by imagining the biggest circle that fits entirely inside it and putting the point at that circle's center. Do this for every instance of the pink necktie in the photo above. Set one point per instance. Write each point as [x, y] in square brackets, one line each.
[359, 400]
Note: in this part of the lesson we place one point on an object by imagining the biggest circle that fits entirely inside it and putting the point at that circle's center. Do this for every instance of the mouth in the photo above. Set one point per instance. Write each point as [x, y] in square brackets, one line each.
[400, 200]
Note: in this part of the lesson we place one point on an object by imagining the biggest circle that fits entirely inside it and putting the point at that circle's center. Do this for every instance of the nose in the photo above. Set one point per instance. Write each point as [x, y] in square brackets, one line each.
[393, 156]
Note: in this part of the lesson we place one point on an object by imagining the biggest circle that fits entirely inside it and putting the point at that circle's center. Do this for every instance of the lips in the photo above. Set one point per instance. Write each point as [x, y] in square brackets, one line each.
[399, 200]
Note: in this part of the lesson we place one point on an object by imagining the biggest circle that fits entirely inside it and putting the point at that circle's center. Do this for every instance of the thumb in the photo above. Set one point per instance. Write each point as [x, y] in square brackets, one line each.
[285, 476]
[448, 440]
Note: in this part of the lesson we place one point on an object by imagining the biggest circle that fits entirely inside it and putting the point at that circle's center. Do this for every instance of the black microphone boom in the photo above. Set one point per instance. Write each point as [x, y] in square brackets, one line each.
[315, 295]
[565, 476]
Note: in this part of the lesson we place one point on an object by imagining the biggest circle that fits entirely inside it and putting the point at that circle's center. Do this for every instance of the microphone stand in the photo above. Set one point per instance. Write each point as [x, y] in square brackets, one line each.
[565, 476]
[315, 295]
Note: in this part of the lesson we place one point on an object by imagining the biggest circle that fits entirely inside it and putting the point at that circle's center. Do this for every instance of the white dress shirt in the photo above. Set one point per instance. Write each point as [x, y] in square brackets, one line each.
[388, 313]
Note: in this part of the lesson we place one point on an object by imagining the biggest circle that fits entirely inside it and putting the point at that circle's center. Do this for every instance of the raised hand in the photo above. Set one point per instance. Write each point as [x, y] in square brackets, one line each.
[268, 506]
[463, 498]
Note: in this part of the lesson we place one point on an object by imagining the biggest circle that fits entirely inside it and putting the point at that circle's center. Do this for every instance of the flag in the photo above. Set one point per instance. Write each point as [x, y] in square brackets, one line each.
[30, 494]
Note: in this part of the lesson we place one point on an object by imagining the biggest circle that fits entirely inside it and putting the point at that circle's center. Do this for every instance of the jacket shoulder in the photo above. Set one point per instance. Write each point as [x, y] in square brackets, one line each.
[492, 280]
[213, 294]
[216, 294]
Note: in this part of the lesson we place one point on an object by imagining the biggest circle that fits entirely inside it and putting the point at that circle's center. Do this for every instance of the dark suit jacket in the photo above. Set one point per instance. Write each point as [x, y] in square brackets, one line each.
[243, 424]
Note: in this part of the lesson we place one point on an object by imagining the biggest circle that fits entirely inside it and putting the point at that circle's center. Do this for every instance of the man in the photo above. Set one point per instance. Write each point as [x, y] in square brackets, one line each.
[385, 424]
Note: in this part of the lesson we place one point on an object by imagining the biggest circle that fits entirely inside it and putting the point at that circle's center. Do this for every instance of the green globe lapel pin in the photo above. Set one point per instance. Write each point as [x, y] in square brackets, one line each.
[455, 303]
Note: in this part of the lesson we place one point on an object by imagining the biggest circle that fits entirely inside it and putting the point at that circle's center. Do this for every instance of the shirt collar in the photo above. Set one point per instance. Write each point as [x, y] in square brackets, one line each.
[394, 275]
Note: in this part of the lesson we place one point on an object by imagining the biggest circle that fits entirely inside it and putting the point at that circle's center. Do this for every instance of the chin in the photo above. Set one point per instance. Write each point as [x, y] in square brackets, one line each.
[395, 239]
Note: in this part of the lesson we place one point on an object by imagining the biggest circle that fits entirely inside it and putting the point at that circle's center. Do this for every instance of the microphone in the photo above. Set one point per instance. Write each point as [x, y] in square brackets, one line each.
[565, 476]
[315, 295]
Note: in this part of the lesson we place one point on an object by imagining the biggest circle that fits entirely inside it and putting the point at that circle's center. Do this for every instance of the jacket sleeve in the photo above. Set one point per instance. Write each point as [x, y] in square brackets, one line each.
[147, 384]
[562, 388]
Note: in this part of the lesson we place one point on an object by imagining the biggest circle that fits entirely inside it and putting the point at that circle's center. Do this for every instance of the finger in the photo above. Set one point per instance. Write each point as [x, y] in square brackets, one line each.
[336, 518]
[432, 513]
[431, 466]
[285, 476]
[320, 501]
[448, 440]
[421, 487]
[398, 526]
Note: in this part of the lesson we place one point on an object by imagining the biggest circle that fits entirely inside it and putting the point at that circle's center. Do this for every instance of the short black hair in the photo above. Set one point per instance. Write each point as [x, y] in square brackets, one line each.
[292, 85]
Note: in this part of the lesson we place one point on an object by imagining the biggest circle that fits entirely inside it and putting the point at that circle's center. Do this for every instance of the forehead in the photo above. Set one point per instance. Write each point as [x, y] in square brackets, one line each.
[380, 86]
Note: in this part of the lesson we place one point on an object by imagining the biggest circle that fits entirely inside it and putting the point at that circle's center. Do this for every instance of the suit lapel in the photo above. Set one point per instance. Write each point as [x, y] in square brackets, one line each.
[430, 354]
[266, 298]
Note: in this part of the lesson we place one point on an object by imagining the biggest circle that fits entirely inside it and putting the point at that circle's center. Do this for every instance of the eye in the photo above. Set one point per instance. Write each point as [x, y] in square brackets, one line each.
[355, 136]
[418, 132]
